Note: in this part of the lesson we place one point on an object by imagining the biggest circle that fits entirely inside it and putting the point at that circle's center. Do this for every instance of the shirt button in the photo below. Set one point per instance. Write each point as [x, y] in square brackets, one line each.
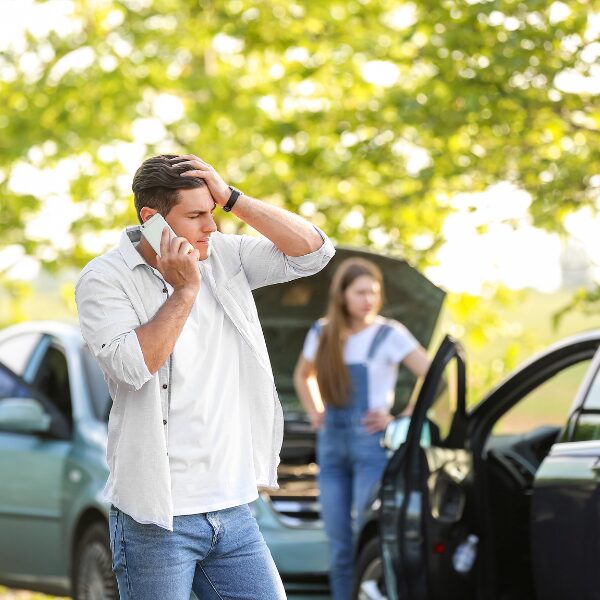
[164, 422]
[164, 290]
[165, 386]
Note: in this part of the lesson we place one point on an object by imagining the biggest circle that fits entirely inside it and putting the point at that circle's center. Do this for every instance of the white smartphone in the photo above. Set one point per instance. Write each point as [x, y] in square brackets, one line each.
[152, 230]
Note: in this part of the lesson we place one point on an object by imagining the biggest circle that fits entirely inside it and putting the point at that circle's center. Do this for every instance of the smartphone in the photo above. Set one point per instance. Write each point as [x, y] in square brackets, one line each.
[152, 230]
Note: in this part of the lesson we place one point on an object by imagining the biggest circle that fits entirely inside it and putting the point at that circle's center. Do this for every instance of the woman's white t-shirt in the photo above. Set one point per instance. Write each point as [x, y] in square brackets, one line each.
[382, 368]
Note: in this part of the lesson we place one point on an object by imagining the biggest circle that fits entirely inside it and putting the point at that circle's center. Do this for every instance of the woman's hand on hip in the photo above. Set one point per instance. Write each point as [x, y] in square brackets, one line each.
[377, 420]
[316, 419]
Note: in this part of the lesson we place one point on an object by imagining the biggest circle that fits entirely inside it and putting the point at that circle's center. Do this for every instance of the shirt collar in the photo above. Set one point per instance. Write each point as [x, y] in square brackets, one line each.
[130, 237]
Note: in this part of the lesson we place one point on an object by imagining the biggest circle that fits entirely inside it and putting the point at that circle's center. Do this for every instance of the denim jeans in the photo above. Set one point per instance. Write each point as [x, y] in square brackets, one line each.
[351, 463]
[218, 555]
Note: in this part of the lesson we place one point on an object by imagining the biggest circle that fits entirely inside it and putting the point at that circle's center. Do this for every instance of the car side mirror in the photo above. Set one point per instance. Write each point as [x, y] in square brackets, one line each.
[397, 430]
[25, 415]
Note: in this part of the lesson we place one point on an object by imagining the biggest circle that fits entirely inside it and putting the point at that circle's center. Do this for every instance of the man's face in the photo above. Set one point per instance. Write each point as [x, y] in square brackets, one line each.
[192, 218]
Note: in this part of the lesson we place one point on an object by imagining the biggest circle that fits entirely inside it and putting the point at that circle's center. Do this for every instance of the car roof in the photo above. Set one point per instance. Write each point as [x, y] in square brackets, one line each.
[68, 332]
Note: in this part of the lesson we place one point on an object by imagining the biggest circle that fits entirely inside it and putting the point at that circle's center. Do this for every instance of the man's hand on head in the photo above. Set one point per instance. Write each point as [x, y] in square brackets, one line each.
[290, 233]
[217, 187]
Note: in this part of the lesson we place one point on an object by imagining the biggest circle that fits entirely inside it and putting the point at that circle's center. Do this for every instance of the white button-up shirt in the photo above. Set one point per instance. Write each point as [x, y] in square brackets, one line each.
[116, 293]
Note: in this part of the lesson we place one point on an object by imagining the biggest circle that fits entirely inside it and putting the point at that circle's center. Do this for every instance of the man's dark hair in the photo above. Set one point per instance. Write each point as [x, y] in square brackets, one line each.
[157, 181]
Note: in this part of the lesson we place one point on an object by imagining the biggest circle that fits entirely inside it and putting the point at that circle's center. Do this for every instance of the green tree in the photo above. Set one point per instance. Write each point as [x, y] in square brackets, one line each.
[381, 108]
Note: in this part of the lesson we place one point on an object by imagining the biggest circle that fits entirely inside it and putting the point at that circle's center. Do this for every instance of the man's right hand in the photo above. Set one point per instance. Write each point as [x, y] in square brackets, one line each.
[178, 263]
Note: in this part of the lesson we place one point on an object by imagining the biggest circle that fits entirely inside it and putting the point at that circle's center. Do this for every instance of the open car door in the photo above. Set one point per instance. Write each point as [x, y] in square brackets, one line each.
[427, 490]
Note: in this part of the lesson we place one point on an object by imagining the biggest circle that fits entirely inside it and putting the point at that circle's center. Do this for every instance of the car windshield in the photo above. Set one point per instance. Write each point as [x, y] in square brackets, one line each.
[99, 394]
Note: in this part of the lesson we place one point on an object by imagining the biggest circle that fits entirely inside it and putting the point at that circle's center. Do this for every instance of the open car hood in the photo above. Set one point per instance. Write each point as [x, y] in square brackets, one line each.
[288, 310]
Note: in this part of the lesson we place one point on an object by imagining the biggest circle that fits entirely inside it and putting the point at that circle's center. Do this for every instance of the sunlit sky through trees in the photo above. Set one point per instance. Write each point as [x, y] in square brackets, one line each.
[489, 234]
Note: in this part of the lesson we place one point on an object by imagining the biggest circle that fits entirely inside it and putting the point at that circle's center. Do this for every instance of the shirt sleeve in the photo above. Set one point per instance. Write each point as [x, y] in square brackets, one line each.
[401, 343]
[311, 343]
[108, 322]
[264, 264]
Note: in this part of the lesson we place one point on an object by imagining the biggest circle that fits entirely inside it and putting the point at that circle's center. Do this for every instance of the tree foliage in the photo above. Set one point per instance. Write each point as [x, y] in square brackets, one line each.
[367, 116]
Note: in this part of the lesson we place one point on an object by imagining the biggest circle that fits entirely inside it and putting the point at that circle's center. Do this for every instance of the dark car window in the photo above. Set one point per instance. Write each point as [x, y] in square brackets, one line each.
[97, 387]
[16, 351]
[12, 386]
[52, 379]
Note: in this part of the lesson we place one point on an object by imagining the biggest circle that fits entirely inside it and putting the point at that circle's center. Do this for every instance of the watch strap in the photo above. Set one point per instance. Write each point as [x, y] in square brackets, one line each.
[235, 194]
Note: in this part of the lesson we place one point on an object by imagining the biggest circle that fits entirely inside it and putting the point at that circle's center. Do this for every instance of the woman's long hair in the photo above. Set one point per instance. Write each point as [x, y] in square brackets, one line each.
[333, 376]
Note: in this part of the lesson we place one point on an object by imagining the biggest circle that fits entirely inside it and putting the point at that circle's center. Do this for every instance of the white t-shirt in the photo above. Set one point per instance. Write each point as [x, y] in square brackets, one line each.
[210, 440]
[382, 368]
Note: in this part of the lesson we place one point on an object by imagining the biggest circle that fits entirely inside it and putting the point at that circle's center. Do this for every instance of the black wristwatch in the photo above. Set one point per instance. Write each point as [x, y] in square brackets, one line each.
[235, 194]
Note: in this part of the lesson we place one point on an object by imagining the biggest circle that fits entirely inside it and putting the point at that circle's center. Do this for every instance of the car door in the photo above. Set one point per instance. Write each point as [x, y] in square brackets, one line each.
[565, 527]
[511, 430]
[426, 495]
[32, 467]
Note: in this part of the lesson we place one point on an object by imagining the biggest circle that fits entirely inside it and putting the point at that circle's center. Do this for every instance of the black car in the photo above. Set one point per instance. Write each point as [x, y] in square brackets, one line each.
[510, 471]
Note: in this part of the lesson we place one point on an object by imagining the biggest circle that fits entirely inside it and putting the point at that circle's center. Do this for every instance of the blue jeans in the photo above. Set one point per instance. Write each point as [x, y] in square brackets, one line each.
[218, 555]
[351, 463]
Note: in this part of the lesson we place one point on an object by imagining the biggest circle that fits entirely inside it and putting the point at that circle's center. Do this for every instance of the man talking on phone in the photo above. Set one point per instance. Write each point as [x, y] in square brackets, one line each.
[196, 425]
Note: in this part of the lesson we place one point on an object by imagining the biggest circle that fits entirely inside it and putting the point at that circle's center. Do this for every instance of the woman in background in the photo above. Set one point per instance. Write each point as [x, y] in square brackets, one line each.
[345, 379]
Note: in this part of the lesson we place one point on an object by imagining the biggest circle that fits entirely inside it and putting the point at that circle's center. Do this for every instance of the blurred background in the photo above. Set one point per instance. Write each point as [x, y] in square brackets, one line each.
[461, 135]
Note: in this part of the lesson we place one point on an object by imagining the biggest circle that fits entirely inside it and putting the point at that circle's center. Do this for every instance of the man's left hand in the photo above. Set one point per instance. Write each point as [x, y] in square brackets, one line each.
[217, 187]
[377, 420]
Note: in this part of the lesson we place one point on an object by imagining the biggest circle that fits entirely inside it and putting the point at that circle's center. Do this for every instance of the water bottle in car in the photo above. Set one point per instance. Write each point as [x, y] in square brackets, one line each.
[465, 554]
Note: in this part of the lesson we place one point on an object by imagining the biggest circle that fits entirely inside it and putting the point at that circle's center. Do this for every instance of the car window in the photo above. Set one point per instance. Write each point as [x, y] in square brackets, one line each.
[587, 427]
[592, 399]
[442, 411]
[98, 390]
[52, 378]
[547, 404]
[16, 351]
[11, 386]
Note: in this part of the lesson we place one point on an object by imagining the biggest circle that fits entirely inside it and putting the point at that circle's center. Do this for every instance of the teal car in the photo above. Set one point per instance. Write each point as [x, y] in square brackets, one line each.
[54, 407]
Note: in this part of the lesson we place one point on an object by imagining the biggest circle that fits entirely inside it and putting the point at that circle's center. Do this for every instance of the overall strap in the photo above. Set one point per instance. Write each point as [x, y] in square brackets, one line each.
[383, 331]
[316, 327]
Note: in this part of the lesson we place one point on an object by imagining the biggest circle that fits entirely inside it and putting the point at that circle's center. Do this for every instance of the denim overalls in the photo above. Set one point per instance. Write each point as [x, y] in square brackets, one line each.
[351, 462]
